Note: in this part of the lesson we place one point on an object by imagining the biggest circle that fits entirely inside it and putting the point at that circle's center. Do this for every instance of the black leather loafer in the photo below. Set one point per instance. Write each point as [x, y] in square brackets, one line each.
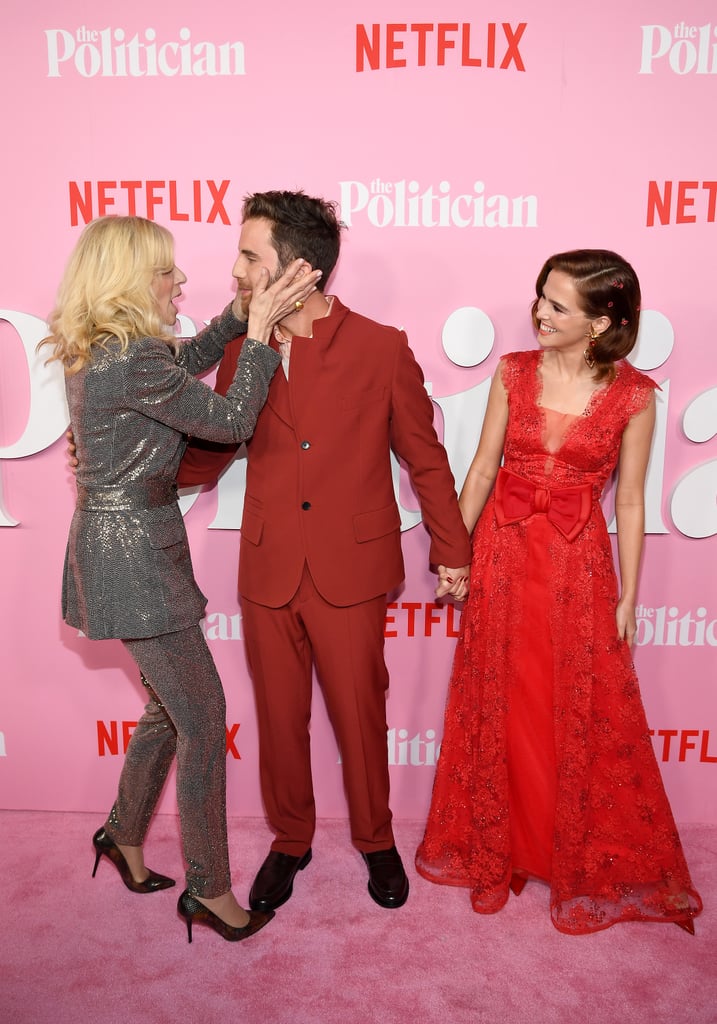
[274, 882]
[387, 881]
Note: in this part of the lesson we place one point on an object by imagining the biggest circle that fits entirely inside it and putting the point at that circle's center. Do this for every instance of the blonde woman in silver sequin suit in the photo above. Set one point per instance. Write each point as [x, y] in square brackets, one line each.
[133, 399]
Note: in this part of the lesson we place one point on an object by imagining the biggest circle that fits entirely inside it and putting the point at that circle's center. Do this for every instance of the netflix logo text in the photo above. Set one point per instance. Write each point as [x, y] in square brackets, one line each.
[197, 201]
[421, 619]
[681, 202]
[113, 738]
[684, 745]
[424, 44]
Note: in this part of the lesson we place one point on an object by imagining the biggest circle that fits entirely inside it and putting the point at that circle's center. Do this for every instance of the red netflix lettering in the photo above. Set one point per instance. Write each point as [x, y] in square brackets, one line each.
[401, 45]
[667, 751]
[108, 738]
[176, 201]
[687, 195]
[422, 619]
[705, 757]
[231, 748]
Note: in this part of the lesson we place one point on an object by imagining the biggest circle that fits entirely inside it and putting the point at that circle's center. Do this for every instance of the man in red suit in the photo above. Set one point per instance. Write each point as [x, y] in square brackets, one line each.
[320, 539]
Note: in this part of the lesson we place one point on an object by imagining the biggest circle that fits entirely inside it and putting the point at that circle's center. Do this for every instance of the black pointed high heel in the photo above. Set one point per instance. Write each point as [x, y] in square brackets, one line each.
[192, 910]
[104, 845]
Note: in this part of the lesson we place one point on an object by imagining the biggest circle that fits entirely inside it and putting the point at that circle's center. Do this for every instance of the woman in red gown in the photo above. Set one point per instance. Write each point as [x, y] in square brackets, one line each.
[547, 769]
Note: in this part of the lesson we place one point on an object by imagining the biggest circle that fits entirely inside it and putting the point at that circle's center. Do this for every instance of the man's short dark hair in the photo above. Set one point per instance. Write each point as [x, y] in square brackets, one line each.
[301, 226]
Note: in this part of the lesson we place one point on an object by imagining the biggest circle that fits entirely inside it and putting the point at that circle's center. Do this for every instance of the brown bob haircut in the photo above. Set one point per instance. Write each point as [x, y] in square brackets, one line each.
[607, 286]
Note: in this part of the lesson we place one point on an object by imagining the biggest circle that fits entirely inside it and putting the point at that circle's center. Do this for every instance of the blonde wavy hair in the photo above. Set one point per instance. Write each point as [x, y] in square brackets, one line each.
[105, 296]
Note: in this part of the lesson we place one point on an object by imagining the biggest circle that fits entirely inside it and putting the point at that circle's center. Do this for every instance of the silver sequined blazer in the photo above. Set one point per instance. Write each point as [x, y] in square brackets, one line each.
[128, 571]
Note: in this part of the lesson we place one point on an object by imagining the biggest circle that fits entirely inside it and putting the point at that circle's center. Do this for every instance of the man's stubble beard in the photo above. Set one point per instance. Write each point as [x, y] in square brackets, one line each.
[273, 278]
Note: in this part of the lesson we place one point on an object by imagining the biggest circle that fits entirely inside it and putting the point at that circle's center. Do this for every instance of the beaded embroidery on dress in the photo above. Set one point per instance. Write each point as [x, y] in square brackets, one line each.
[546, 766]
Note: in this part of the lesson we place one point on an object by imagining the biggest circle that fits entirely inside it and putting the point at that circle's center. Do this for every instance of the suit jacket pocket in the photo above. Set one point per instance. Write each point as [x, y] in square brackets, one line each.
[371, 525]
[169, 554]
[252, 526]
[359, 399]
[164, 535]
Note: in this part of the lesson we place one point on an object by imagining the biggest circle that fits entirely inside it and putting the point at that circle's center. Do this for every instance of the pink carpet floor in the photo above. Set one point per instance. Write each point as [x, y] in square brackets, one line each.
[76, 950]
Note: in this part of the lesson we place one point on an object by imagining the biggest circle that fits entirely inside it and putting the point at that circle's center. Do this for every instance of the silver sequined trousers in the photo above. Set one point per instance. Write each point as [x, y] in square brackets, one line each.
[186, 716]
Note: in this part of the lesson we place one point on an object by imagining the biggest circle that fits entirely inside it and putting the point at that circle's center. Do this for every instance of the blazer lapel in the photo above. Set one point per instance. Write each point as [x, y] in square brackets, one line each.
[278, 398]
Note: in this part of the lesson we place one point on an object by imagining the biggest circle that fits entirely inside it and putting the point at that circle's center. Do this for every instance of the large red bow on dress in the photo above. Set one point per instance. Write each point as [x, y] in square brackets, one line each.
[567, 508]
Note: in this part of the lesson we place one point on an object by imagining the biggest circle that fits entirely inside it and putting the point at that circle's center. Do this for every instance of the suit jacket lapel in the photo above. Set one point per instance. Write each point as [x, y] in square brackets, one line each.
[278, 398]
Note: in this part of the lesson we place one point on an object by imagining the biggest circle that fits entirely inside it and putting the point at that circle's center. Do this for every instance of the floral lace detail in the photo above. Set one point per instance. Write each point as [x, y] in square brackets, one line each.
[538, 631]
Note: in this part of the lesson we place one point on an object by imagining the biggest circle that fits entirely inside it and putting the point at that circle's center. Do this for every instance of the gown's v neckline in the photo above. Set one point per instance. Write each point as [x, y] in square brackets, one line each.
[595, 400]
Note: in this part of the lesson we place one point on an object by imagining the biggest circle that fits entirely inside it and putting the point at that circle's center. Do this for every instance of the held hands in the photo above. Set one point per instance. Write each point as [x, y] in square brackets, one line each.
[453, 582]
[272, 302]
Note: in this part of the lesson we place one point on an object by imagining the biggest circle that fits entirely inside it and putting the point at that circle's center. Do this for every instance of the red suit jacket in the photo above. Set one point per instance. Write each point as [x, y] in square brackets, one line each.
[319, 483]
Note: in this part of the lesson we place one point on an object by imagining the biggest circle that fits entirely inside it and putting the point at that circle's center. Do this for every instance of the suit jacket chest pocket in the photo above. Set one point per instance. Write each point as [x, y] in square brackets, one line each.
[369, 398]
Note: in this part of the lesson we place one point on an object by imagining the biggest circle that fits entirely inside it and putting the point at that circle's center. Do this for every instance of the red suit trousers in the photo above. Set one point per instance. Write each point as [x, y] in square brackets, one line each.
[345, 644]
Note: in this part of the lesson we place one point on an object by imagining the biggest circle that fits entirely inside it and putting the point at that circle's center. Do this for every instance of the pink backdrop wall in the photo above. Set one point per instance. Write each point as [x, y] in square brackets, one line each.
[465, 143]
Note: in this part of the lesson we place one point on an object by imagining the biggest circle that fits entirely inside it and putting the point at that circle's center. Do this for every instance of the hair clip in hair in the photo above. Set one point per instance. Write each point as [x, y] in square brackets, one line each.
[624, 322]
[610, 305]
[616, 284]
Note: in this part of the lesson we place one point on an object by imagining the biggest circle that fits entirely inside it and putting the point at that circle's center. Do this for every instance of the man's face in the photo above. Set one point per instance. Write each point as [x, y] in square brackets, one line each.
[255, 252]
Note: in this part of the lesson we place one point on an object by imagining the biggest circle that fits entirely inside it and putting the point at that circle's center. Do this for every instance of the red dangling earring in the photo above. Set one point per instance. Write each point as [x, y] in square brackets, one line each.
[588, 354]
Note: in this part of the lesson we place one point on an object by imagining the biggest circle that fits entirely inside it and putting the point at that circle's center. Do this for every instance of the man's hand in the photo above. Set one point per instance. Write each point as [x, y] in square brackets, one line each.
[72, 460]
[453, 582]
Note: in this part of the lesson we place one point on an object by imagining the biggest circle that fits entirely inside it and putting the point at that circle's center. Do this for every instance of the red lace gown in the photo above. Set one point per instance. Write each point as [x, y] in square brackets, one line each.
[546, 766]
